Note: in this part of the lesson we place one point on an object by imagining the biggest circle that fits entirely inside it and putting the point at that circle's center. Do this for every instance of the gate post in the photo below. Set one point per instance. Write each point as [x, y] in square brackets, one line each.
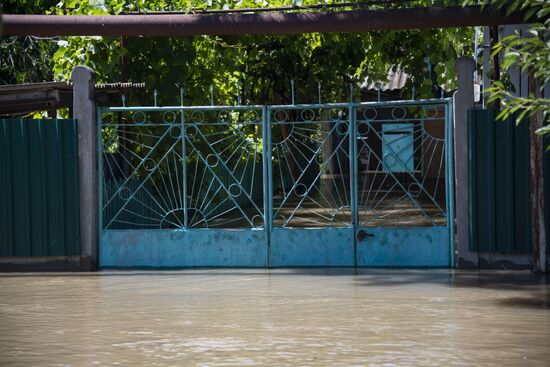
[84, 111]
[463, 100]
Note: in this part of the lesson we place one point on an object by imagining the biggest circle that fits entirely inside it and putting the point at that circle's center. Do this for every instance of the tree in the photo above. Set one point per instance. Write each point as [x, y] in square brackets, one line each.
[531, 55]
[26, 59]
[264, 65]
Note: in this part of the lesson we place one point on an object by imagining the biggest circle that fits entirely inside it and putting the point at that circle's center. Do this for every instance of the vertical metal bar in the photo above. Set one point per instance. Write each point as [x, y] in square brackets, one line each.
[449, 179]
[100, 171]
[353, 177]
[184, 167]
[269, 168]
[266, 162]
[447, 186]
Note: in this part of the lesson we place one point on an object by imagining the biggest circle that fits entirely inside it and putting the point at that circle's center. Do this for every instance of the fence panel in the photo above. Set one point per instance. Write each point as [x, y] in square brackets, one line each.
[39, 188]
[499, 184]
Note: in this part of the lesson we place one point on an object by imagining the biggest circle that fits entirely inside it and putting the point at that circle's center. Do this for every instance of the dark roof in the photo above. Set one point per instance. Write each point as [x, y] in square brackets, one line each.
[32, 97]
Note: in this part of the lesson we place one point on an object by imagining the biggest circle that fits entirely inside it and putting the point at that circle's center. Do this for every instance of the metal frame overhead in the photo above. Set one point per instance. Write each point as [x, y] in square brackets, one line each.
[255, 23]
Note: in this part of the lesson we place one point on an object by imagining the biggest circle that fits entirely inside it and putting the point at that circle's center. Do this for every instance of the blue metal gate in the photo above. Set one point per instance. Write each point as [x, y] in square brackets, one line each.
[342, 184]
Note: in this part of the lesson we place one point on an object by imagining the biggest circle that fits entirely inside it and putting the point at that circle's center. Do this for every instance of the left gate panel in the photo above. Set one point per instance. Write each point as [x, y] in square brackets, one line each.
[182, 187]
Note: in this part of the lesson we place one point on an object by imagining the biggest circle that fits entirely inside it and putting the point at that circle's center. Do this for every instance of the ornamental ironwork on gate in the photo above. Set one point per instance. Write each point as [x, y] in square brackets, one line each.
[336, 184]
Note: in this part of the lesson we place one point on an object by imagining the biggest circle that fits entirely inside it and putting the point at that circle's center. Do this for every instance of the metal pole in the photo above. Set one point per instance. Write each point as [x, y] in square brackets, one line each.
[265, 23]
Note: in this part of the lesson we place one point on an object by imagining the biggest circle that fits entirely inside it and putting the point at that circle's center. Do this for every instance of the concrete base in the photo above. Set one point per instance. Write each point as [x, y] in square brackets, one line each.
[486, 260]
[45, 263]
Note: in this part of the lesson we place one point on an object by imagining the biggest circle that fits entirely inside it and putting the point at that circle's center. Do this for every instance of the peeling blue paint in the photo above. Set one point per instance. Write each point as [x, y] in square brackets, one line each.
[307, 247]
[312, 247]
[182, 248]
[404, 247]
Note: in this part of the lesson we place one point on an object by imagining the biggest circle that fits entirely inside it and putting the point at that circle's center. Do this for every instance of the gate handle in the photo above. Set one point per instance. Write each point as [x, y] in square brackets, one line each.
[361, 235]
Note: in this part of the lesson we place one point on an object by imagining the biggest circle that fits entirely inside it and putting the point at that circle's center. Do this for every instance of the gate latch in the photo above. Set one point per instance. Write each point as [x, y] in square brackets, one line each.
[361, 235]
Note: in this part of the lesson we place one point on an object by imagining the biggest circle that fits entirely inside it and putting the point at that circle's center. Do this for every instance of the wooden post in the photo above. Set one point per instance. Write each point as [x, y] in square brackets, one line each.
[84, 111]
[463, 100]
[538, 230]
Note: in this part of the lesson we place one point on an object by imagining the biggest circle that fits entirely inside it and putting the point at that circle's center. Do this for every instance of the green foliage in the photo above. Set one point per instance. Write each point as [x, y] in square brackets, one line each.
[25, 59]
[264, 65]
[529, 54]
[22, 61]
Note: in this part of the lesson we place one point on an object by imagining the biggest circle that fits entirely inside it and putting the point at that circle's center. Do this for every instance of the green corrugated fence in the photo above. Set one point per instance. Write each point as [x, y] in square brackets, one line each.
[499, 184]
[39, 192]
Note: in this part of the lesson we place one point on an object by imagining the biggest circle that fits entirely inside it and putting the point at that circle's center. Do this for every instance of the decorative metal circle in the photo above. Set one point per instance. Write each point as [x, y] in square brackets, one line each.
[280, 115]
[173, 219]
[197, 117]
[257, 221]
[431, 111]
[139, 117]
[251, 116]
[212, 160]
[363, 128]
[300, 189]
[389, 160]
[196, 215]
[169, 117]
[224, 116]
[192, 131]
[149, 164]
[290, 130]
[175, 132]
[398, 113]
[125, 193]
[307, 115]
[342, 128]
[370, 113]
[281, 218]
[335, 114]
[433, 128]
[414, 189]
[235, 190]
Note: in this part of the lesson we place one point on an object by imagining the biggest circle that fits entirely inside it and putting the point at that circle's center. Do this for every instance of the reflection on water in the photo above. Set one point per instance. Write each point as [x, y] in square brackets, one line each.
[278, 317]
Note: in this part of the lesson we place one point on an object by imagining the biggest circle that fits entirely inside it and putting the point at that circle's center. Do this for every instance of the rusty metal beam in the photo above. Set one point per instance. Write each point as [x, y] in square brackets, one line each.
[264, 23]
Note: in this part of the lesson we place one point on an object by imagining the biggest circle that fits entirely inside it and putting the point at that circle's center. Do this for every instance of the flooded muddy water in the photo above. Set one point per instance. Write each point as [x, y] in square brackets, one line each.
[293, 317]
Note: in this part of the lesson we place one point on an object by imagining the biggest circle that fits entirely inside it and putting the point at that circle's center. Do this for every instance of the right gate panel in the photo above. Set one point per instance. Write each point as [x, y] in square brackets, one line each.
[402, 181]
